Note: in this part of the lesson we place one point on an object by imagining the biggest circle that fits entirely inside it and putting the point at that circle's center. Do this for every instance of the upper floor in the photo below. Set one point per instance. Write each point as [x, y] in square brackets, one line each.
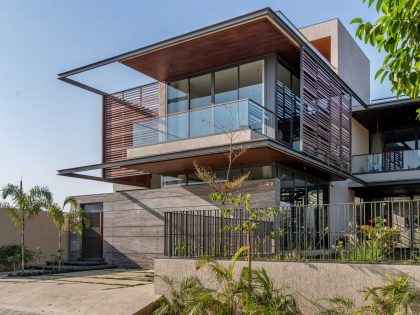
[254, 81]
[386, 142]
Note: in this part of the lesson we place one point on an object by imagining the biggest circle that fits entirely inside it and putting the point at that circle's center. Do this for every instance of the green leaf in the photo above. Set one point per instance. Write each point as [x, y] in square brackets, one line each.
[413, 78]
[379, 5]
[356, 20]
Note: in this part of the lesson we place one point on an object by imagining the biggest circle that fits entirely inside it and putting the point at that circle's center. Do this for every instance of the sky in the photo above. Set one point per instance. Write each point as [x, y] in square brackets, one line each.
[47, 125]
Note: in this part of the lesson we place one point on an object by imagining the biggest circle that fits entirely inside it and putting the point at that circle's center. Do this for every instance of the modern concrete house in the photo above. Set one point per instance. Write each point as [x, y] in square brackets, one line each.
[299, 100]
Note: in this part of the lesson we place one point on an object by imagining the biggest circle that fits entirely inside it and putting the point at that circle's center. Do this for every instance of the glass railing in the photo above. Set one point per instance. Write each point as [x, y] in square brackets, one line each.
[207, 121]
[386, 162]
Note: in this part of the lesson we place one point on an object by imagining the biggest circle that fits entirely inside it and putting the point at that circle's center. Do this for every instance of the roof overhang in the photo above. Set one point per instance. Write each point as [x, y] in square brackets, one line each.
[258, 152]
[389, 114]
[222, 44]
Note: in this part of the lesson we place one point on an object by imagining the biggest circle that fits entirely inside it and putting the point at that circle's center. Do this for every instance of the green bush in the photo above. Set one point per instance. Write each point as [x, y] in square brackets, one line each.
[10, 255]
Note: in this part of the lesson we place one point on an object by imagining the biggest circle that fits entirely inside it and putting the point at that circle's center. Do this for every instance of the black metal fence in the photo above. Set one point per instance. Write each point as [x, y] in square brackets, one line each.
[369, 231]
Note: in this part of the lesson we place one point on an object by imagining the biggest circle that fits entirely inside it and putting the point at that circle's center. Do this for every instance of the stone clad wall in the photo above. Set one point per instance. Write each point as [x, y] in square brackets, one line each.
[308, 282]
[133, 221]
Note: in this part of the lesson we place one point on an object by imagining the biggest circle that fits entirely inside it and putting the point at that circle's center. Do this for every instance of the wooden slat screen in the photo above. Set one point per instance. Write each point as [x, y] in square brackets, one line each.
[326, 114]
[122, 109]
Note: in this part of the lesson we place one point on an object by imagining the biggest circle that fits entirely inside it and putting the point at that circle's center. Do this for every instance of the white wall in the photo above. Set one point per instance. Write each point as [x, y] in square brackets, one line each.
[347, 57]
[359, 138]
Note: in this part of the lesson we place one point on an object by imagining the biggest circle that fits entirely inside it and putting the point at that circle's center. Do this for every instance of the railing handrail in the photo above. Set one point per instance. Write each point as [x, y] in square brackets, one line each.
[361, 203]
[204, 108]
[382, 153]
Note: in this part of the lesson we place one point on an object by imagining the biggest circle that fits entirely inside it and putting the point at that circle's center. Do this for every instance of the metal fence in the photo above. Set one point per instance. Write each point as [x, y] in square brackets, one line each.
[368, 231]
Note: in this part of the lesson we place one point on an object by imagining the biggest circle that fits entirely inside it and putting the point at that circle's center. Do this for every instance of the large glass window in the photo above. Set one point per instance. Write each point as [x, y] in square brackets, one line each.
[177, 96]
[240, 82]
[301, 189]
[251, 81]
[394, 140]
[226, 85]
[200, 91]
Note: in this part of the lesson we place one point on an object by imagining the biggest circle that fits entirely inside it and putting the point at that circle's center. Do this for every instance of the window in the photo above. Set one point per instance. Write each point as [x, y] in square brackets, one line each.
[177, 96]
[251, 81]
[226, 85]
[240, 82]
[200, 91]
[175, 180]
[257, 172]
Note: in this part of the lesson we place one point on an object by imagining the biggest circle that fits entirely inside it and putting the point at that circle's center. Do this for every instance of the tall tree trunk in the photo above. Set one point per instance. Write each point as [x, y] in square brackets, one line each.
[23, 246]
[23, 229]
[59, 250]
[249, 249]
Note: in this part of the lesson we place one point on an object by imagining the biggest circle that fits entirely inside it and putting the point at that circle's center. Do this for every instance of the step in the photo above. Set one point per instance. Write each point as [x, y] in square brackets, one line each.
[79, 267]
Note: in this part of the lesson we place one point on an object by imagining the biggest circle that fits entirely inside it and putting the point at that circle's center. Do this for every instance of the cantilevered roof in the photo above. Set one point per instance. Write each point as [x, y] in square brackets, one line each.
[219, 45]
[389, 114]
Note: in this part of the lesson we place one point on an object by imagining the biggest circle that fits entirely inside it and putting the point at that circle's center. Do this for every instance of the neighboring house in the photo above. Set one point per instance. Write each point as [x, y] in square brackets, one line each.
[298, 100]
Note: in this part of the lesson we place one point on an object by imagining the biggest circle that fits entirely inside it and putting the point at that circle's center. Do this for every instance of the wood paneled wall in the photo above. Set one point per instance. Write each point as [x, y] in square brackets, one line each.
[326, 115]
[120, 111]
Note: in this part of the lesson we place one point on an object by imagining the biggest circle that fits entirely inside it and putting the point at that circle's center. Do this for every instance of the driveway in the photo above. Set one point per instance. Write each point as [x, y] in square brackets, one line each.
[112, 291]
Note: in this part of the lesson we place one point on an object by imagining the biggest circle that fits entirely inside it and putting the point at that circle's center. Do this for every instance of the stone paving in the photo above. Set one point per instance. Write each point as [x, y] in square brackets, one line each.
[112, 291]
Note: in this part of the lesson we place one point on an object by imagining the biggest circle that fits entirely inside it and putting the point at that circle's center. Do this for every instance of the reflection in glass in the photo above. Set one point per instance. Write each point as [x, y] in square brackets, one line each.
[175, 180]
[177, 127]
[226, 85]
[200, 91]
[177, 95]
[201, 122]
[251, 81]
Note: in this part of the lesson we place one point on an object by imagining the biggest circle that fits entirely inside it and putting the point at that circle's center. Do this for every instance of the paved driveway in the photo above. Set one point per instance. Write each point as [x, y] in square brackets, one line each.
[109, 292]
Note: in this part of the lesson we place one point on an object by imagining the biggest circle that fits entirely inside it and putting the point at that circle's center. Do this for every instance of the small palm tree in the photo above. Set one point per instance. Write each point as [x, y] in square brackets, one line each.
[179, 299]
[24, 206]
[396, 297]
[77, 219]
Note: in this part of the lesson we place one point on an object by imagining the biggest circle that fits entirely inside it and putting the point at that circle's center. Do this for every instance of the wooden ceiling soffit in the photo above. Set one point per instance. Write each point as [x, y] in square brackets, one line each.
[234, 43]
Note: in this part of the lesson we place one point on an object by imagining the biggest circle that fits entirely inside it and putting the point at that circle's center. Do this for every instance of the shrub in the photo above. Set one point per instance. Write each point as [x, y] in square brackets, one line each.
[10, 255]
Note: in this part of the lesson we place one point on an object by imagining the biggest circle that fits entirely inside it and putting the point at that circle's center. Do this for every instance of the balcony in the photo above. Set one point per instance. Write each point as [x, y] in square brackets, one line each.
[238, 117]
[386, 162]
[387, 167]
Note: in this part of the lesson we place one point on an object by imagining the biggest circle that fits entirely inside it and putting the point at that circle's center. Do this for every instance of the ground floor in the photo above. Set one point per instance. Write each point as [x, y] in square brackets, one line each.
[128, 226]
[114, 291]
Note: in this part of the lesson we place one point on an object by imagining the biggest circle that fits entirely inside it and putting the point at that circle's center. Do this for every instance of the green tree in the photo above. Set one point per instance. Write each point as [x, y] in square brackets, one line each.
[77, 218]
[397, 32]
[24, 206]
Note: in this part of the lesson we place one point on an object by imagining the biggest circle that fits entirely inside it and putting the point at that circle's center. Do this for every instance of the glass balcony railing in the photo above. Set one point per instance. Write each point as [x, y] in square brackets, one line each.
[207, 121]
[386, 162]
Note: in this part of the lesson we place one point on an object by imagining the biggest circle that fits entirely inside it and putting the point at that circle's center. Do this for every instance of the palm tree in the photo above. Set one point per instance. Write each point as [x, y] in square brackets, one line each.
[396, 297]
[77, 219]
[24, 206]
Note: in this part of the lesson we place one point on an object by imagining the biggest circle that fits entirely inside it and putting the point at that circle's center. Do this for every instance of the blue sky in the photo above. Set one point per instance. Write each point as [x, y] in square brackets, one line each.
[46, 124]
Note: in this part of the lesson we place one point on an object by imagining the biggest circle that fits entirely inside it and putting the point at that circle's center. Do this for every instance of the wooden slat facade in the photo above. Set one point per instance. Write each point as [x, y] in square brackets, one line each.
[121, 110]
[326, 115]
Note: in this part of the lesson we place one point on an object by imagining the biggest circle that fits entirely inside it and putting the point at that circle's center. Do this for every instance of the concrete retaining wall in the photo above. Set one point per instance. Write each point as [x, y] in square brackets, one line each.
[308, 282]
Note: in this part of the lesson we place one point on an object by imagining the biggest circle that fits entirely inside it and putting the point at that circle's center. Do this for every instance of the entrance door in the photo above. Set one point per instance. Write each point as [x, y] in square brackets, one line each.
[92, 237]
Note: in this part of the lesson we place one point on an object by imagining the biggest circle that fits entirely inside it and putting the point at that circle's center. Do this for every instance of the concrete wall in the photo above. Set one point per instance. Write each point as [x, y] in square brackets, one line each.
[308, 282]
[241, 136]
[405, 175]
[351, 63]
[39, 232]
[134, 220]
